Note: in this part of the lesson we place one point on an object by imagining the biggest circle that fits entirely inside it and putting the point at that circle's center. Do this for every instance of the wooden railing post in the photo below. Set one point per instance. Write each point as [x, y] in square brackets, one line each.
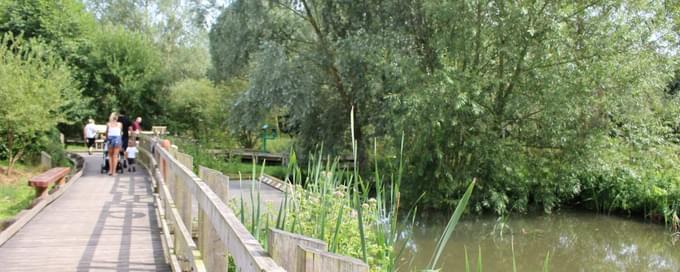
[283, 247]
[183, 196]
[212, 249]
[218, 230]
[315, 260]
[164, 165]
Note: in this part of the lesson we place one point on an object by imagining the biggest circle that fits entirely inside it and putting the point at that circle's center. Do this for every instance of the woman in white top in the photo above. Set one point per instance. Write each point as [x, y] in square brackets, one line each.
[113, 136]
[89, 133]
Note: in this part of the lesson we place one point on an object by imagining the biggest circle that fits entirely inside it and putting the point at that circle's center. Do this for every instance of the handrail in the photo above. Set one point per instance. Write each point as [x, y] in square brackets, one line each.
[177, 187]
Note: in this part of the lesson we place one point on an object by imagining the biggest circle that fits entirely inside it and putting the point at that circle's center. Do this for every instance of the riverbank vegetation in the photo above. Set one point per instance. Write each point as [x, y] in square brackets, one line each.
[548, 104]
[210, 154]
[544, 102]
[335, 206]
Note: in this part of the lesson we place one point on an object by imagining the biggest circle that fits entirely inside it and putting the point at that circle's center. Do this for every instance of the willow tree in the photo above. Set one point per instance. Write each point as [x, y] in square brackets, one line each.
[518, 94]
[316, 60]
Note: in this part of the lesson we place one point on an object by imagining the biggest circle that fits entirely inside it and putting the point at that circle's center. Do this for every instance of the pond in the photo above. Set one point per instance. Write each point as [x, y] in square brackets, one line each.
[576, 241]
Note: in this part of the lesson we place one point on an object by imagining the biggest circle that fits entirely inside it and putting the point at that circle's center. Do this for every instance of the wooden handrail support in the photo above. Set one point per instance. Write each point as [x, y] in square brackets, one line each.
[220, 233]
[42, 182]
[283, 247]
[179, 187]
[298, 253]
[159, 130]
[316, 260]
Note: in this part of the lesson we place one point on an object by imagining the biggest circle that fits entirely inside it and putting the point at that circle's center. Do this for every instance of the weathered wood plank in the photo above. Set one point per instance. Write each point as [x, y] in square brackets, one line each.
[183, 245]
[315, 260]
[27, 216]
[243, 247]
[99, 223]
[283, 247]
[183, 199]
[212, 249]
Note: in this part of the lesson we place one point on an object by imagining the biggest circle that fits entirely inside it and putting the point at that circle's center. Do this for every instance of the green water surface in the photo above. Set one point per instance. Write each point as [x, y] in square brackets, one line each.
[576, 241]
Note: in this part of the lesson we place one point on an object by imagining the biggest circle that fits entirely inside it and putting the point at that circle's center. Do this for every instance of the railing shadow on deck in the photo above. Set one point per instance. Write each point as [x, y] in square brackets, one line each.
[125, 229]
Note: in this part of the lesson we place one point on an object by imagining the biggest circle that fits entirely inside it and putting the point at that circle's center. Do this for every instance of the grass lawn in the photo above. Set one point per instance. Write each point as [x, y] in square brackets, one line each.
[76, 148]
[15, 194]
[281, 144]
[229, 168]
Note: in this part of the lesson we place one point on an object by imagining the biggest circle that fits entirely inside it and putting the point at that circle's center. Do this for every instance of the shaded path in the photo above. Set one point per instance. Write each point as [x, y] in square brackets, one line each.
[101, 223]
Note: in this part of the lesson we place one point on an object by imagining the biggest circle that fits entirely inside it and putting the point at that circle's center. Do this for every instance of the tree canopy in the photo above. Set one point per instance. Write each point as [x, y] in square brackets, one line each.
[522, 95]
[539, 100]
[38, 92]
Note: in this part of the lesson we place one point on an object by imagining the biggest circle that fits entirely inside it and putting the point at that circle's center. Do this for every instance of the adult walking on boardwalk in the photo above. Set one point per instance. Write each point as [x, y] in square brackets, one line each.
[114, 135]
[89, 133]
[125, 133]
[136, 128]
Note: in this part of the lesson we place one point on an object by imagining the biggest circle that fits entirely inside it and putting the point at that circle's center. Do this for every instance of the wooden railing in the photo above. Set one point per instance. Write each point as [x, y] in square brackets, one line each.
[201, 233]
[219, 230]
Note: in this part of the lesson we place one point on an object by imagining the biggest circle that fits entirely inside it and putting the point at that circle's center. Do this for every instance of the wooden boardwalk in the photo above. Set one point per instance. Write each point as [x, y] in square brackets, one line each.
[100, 224]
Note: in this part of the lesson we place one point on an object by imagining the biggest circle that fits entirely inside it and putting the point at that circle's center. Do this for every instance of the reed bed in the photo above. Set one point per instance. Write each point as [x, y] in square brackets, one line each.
[335, 206]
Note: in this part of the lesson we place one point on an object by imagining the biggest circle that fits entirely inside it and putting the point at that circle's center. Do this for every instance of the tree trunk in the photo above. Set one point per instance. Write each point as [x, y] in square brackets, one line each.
[11, 157]
[362, 157]
[12, 160]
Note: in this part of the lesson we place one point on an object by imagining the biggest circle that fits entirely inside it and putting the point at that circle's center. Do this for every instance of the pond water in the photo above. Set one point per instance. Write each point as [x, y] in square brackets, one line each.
[576, 241]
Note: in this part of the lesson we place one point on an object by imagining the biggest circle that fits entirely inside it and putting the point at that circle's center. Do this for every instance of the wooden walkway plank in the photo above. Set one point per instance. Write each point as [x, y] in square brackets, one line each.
[101, 223]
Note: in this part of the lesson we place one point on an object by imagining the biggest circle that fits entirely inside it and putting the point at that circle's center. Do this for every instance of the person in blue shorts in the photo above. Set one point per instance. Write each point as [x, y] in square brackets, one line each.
[114, 137]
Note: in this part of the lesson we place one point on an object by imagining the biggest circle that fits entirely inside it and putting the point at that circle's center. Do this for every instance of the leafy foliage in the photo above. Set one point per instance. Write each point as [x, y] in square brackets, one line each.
[196, 108]
[315, 61]
[521, 91]
[171, 25]
[123, 71]
[37, 87]
[520, 95]
[63, 24]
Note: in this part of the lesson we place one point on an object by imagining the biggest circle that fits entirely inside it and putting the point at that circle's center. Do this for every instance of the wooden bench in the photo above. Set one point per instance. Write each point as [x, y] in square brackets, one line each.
[42, 182]
[159, 130]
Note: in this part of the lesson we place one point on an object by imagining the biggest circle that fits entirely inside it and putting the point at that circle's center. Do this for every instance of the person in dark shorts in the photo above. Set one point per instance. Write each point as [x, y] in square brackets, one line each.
[90, 133]
[123, 119]
[131, 154]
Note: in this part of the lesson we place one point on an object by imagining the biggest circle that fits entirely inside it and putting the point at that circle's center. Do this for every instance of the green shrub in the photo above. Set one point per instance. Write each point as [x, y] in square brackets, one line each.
[630, 179]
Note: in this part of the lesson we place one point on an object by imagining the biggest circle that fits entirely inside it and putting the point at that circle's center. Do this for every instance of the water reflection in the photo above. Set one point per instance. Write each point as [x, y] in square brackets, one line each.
[576, 241]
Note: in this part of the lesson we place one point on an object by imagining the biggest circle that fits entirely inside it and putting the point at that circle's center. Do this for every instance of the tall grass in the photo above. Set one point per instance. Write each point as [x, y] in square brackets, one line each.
[446, 235]
[14, 197]
[355, 216]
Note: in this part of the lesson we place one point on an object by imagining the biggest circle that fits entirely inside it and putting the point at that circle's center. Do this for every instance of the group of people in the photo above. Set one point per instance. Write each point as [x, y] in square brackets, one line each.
[118, 140]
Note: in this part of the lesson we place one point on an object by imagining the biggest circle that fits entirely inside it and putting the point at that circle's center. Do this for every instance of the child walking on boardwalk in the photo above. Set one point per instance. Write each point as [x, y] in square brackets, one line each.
[131, 152]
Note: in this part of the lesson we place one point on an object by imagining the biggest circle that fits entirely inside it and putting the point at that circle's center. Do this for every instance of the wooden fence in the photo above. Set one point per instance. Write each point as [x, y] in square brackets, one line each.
[201, 233]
